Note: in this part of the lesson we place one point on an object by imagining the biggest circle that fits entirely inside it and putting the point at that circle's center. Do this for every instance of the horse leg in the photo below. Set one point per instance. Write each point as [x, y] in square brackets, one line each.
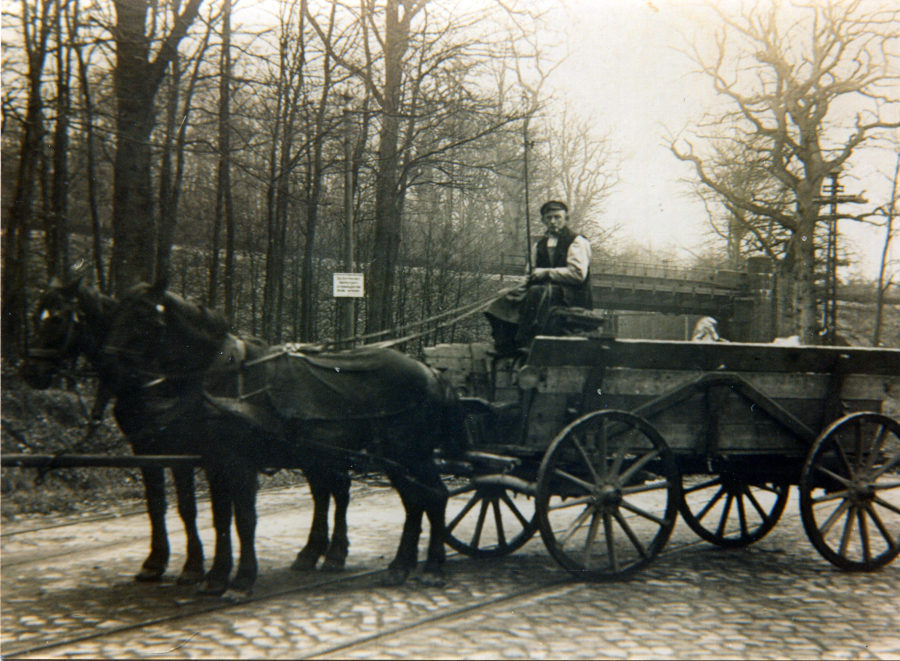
[407, 553]
[336, 555]
[436, 508]
[155, 491]
[192, 572]
[216, 581]
[317, 542]
[243, 488]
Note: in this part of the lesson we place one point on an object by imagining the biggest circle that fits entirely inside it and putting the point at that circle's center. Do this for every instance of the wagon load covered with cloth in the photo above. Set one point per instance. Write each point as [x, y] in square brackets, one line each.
[304, 384]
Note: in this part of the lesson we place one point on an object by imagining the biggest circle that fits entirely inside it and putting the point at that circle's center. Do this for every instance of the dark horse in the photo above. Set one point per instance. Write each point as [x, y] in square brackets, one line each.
[286, 408]
[72, 319]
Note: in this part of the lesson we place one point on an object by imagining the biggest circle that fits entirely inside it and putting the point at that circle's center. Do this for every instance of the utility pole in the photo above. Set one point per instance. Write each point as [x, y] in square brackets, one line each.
[348, 311]
[832, 197]
[527, 144]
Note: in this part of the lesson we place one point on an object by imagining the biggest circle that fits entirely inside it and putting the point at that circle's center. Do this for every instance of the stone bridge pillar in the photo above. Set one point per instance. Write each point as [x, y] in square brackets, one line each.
[753, 319]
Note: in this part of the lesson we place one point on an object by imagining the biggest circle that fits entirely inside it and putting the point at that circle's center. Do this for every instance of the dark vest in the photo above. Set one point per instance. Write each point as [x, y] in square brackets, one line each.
[575, 295]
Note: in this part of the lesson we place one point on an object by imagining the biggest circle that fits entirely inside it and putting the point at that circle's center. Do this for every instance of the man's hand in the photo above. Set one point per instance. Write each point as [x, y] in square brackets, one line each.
[538, 276]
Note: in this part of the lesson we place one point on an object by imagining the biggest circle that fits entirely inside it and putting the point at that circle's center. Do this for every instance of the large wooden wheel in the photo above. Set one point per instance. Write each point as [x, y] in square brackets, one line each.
[490, 519]
[607, 495]
[850, 492]
[730, 511]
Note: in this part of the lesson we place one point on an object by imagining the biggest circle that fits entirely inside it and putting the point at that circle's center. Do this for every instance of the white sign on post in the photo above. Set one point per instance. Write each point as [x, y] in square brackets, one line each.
[349, 285]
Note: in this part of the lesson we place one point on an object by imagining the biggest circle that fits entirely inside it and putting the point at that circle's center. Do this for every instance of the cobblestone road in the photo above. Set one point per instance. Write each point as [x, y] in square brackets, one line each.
[69, 590]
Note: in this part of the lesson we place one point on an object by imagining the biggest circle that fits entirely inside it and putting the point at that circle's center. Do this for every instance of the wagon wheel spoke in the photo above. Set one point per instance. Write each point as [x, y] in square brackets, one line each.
[880, 437]
[591, 539]
[703, 485]
[892, 543]
[498, 519]
[587, 460]
[641, 512]
[834, 495]
[479, 527]
[610, 541]
[848, 531]
[572, 502]
[887, 505]
[515, 510]
[619, 458]
[575, 525]
[844, 461]
[888, 466]
[715, 499]
[465, 510]
[843, 480]
[720, 532]
[826, 527]
[886, 486]
[636, 466]
[742, 515]
[864, 535]
[587, 486]
[630, 534]
[762, 513]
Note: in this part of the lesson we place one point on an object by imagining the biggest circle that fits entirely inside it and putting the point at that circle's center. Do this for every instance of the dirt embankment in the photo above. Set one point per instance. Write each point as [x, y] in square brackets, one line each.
[55, 421]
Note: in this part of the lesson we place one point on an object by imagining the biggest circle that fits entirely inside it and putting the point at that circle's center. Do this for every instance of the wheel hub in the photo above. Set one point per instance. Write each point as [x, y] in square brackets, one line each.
[607, 497]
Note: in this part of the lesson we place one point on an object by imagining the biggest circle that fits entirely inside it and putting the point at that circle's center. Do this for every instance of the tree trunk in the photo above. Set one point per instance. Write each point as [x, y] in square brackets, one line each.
[89, 148]
[136, 81]
[58, 234]
[224, 187]
[18, 234]
[388, 194]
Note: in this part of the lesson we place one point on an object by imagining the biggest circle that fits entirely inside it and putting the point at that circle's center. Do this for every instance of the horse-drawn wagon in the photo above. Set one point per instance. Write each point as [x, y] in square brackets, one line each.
[598, 443]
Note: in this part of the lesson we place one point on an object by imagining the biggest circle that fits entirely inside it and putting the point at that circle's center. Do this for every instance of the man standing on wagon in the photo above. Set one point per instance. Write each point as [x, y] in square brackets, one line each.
[561, 277]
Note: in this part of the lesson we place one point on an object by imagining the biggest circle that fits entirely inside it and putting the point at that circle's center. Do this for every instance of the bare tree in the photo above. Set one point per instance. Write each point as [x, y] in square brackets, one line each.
[783, 68]
[885, 275]
[580, 167]
[137, 79]
[36, 28]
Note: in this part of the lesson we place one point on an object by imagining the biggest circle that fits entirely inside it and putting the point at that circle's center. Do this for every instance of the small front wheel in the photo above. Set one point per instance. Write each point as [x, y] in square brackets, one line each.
[607, 495]
[490, 519]
[850, 492]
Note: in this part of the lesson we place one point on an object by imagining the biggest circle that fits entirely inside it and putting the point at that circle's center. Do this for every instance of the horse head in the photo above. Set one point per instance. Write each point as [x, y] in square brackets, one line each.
[70, 319]
[158, 333]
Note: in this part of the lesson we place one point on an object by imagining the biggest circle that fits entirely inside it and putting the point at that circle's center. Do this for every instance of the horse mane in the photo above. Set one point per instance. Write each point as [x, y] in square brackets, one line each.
[95, 303]
[207, 324]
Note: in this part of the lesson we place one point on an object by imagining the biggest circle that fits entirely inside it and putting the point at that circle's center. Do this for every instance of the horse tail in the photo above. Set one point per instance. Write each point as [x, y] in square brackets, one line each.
[451, 422]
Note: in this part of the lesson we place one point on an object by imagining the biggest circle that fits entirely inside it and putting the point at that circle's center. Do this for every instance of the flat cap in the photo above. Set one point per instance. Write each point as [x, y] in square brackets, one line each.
[554, 205]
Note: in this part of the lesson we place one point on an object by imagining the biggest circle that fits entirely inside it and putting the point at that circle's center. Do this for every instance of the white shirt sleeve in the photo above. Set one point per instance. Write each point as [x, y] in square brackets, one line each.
[578, 260]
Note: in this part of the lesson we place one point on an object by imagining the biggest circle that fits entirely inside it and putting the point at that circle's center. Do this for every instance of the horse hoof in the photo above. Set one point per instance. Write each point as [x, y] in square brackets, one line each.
[189, 577]
[236, 596]
[332, 565]
[304, 563]
[395, 577]
[212, 587]
[150, 575]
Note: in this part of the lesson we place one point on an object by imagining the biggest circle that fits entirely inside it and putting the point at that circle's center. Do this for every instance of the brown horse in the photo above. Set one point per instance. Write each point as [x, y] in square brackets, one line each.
[73, 319]
[327, 410]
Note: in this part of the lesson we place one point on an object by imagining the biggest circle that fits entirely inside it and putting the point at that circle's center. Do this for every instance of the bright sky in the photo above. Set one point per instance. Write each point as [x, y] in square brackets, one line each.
[624, 68]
